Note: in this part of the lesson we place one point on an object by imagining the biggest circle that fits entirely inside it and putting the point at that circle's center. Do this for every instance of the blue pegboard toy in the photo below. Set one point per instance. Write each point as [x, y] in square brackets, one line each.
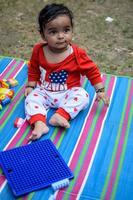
[33, 167]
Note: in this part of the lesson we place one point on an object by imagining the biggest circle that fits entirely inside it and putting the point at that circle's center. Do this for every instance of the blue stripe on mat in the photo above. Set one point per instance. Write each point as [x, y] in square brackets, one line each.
[3, 63]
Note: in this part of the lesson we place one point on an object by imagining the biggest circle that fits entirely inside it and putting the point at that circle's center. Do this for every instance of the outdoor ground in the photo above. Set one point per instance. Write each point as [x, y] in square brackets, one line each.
[110, 44]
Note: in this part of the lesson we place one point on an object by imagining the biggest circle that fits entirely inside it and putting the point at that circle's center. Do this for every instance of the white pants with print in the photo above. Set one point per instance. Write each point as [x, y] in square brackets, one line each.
[40, 100]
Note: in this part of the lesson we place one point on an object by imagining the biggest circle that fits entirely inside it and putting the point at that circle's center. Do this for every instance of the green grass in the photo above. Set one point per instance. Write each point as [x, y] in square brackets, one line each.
[110, 45]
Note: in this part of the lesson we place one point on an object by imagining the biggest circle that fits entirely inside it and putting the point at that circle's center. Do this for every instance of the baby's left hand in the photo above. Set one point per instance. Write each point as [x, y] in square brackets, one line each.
[102, 96]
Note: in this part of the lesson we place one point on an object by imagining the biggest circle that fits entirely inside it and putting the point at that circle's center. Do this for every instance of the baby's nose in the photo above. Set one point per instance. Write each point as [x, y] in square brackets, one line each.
[60, 35]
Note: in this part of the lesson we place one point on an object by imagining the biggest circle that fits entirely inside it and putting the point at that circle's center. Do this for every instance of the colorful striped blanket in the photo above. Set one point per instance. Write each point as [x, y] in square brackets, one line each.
[98, 147]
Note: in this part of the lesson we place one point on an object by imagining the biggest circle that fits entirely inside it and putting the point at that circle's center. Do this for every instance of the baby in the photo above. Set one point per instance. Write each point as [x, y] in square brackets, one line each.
[54, 73]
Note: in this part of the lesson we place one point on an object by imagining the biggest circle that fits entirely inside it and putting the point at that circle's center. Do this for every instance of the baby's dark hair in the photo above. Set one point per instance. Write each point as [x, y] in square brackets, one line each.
[50, 12]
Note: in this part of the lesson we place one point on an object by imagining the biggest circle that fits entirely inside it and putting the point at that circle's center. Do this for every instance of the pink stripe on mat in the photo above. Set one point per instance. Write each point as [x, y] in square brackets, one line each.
[18, 136]
[91, 148]
[58, 135]
[26, 139]
[2, 179]
[15, 71]
[120, 146]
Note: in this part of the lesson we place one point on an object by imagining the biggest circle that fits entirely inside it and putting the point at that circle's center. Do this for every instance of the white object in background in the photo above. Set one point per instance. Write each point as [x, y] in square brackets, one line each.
[109, 19]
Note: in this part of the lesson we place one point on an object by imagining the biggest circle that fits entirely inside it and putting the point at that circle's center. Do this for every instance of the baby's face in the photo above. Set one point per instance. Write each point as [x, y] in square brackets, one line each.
[58, 33]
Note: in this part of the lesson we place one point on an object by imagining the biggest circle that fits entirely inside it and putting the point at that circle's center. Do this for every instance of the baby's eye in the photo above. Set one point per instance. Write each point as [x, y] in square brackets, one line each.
[67, 30]
[52, 32]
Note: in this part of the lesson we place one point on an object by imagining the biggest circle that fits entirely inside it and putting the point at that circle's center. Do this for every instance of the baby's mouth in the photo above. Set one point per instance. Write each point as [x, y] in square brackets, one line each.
[61, 42]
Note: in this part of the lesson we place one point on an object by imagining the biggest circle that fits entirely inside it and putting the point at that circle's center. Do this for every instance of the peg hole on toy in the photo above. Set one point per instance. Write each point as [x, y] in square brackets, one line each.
[10, 171]
[56, 156]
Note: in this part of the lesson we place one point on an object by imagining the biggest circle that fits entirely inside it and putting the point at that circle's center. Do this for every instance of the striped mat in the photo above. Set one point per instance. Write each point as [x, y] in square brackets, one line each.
[98, 147]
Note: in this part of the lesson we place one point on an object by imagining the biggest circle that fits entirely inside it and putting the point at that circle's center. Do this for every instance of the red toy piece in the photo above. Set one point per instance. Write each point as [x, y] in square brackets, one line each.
[18, 122]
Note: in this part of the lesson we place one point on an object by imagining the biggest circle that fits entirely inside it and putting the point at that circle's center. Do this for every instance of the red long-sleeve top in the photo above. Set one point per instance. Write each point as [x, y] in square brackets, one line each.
[68, 72]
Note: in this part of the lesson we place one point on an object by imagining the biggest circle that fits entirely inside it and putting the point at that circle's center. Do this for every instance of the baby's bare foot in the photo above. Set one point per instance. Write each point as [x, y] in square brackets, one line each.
[58, 120]
[40, 128]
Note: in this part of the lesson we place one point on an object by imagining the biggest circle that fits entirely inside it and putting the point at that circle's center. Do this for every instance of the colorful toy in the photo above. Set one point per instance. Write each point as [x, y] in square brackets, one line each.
[5, 96]
[6, 93]
[18, 122]
[8, 83]
[34, 166]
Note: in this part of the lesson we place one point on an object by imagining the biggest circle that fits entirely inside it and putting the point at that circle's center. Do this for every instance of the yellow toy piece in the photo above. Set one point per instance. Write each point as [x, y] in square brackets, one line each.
[5, 92]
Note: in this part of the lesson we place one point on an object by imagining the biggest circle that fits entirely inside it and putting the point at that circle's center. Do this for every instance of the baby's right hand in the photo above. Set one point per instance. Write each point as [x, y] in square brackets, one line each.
[28, 90]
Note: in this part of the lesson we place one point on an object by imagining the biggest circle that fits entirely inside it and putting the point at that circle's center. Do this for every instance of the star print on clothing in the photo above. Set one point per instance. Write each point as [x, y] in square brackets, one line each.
[58, 77]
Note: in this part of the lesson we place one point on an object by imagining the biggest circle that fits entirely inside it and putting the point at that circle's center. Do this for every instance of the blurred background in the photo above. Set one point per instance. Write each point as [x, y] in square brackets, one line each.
[103, 27]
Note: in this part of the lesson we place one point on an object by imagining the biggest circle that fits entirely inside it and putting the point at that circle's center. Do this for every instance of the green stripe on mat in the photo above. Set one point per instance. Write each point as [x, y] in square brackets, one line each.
[54, 133]
[60, 140]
